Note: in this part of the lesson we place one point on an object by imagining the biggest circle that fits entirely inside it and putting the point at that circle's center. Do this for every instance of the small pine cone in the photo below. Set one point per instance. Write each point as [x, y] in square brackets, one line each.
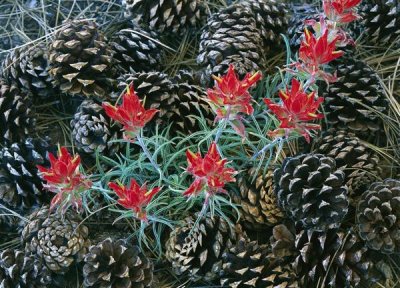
[232, 32]
[257, 200]
[380, 21]
[93, 130]
[18, 270]
[166, 15]
[20, 185]
[81, 61]
[248, 264]
[272, 19]
[354, 101]
[117, 264]
[136, 50]
[59, 240]
[359, 162]
[16, 117]
[337, 258]
[27, 68]
[378, 216]
[300, 14]
[190, 103]
[197, 249]
[312, 191]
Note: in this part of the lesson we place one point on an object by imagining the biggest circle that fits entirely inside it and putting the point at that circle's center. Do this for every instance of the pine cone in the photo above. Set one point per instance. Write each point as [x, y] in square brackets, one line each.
[257, 200]
[18, 270]
[272, 19]
[59, 242]
[378, 216]
[93, 130]
[166, 15]
[380, 21]
[197, 249]
[189, 104]
[359, 162]
[232, 32]
[251, 265]
[136, 50]
[16, 117]
[27, 68]
[20, 185]
[312, 191]
[117, 264]
[347, 100]
[332, 259]
[81, 61]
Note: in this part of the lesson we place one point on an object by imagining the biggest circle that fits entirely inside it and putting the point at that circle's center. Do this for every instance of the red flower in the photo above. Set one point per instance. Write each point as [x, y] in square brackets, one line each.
[341, 11]
[297, 107]
[64, 178]
[318, 51]
[230, 96]
[134, 197]
[210, 172]
[131, 114]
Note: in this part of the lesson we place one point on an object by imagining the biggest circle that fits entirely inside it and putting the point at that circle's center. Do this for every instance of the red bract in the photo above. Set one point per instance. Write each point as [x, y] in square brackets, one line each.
[210, 172]
[315, 52]
[64, 178]
[297, 107]
[341, 11]
[230, 96]
[131, 114]
[134, 197]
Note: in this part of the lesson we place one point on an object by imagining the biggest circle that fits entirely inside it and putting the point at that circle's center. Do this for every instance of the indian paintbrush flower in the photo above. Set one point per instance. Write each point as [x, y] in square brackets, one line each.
[131, 113]
[134, 197]
[64, 178]
[341, 11]
[210, 172]
[296, 109]
[230, 96]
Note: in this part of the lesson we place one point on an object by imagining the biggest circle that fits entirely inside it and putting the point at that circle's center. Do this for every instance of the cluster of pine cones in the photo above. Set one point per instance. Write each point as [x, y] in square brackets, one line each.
[326, 217]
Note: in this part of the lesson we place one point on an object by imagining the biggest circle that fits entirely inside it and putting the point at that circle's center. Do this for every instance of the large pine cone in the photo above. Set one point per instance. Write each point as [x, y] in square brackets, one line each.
[136, 50]
[18, 270]
[359, 162]
[81, 61]
[272, 19]
[166, 15]
[248, 264]
[378, 216]
[257, 199]
[93, 130]
[380, 21]
[17, 120]
[232, 32]
[355, 101]
[197, 249]
[27, 68]
[332, 259]
[20, 185]
[312, 191]
[117, 264]
[59, 240]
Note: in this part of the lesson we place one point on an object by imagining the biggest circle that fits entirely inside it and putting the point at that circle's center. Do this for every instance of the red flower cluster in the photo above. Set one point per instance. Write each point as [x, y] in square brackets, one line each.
[318, 51]
[134, 197]
[131, 114]
[64, 178]
[341, 11]
[230, 96]
[297, 108]
[210, 172]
